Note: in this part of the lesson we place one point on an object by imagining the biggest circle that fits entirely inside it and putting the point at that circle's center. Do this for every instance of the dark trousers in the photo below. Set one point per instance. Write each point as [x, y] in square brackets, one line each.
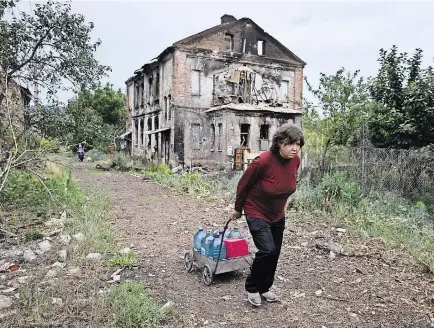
[267, 237]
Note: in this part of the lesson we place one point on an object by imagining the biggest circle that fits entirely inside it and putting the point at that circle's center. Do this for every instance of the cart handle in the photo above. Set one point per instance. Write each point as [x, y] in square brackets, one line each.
[221, 243]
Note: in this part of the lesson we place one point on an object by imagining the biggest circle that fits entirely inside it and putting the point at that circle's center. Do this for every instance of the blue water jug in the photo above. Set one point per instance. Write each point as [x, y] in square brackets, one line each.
[206, 243]
[217, 241]
[235, 233]
[197, 239]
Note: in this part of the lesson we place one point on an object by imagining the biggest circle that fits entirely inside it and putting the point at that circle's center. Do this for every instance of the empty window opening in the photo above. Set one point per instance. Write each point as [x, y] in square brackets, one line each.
[219, 135]
[245, 129]
[156, 122]
[284, 88]
[244, 45]
[169, 106]
[149, 124]
[195, 82]
[165, 109]
[150, 80]
[264, 132]
[261, 48]
[195, 136]
[212, 136]
[157, 86]
[229, 38]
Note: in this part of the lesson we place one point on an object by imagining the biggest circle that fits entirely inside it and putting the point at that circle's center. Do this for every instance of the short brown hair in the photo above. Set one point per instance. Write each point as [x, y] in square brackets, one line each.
[286, 134]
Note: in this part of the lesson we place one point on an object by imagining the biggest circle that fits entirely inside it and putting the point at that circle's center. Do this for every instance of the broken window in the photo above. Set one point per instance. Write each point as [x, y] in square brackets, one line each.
[229, 38]
[261, 49]
[150, 80]
[169, 101]
[212, 136]
[156, 122]
[165, 109]
[284, 88]
[219, 144]
[244, 45]
[157, 86]
[245, 129]
[263, 137]
[149, 124]
[195, 136]
[195, 83]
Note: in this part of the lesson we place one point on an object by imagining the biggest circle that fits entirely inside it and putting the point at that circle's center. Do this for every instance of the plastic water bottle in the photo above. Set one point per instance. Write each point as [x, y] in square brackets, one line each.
[235, 234]
[206, 245]
[217, 241]
[197, 239]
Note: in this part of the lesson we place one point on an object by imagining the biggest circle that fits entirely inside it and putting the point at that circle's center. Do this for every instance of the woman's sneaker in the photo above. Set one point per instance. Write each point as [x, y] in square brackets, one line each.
[270, 297]
[254, 299]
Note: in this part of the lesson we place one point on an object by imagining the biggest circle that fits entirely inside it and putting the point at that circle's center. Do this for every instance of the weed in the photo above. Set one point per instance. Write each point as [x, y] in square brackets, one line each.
[124, 260]
[33, 235]
[132, 306]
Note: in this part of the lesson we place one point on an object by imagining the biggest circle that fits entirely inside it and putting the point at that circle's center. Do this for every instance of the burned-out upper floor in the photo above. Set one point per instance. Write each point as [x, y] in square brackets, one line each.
[233, 62]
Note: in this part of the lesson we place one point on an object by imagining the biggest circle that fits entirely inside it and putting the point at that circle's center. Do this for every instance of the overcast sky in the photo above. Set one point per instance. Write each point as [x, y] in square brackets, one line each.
[327, 35]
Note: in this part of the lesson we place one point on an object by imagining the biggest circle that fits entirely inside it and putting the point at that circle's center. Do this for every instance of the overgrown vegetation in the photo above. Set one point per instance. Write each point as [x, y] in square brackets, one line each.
[193, 183]
[124, 260]
[396, 220]
[132, 306]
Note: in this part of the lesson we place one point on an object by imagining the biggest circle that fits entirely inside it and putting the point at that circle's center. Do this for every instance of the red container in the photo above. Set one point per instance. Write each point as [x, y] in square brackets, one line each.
[236, 248]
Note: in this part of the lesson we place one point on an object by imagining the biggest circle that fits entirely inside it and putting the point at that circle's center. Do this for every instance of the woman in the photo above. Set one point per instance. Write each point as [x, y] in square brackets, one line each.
[263, 191]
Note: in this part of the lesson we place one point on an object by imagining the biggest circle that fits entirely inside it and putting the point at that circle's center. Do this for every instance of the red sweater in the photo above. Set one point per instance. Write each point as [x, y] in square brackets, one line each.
[266, 185]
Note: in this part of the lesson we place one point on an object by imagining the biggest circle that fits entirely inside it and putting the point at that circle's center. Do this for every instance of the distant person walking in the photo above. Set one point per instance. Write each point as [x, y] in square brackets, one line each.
[262, 192]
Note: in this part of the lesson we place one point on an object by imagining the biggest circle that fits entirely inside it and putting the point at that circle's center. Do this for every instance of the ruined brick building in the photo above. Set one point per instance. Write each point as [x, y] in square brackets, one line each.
[227, 87]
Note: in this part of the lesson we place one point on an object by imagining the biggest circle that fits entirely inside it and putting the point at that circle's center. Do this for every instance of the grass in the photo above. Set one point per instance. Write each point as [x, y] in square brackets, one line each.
[125, 260]
[132, 306]
[33, 235]
[194, 184]
[397, 221]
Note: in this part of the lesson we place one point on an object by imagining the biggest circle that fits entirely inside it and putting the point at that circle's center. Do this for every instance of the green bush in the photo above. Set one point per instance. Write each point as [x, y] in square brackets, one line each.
[335, 188]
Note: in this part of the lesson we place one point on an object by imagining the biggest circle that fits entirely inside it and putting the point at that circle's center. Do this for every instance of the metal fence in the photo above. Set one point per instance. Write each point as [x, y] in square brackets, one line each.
[405, 172]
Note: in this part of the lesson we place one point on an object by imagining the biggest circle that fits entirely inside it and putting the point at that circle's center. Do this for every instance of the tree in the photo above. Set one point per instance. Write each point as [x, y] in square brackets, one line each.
[107, 102]
[50, 48]
[342, 98]
[405, 91]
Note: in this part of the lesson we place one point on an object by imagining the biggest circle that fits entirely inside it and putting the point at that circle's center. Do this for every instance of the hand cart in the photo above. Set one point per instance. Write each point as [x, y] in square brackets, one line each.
[210, 267]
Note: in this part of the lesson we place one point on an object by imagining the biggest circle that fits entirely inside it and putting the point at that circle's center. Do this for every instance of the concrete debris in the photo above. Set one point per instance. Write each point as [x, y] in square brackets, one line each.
[167, 306]
[61, 255]
[5, 302]
[44, 246]
[52, 273]
[57, 300]
[78, 236]
[65, 238]
[125, 251]
[58, 265]
[22, 280]
[93, 256]
[74, 272]
[29, 256]
[341, 230]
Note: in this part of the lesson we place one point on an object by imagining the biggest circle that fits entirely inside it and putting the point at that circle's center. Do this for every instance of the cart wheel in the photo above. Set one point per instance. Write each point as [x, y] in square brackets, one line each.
[188, 262]
[207, 275]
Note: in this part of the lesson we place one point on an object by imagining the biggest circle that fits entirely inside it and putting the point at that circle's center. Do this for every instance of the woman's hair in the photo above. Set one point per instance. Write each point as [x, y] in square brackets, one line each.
[286, 134]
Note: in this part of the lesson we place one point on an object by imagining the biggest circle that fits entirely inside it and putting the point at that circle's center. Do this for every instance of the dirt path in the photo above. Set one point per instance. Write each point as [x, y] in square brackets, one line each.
[372, 291]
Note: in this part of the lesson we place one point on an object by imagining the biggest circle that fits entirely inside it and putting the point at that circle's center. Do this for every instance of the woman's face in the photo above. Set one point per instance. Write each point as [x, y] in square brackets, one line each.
[289, 151]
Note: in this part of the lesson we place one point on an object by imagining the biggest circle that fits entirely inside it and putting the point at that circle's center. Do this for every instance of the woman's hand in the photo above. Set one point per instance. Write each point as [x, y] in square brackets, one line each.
[235, 215]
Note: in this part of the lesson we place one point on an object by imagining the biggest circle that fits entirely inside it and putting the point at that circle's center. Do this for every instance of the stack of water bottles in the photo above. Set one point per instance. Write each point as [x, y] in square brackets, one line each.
[208, 244]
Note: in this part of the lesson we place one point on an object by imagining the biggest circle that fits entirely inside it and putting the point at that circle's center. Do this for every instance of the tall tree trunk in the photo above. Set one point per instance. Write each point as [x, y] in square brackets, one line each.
[323, 161]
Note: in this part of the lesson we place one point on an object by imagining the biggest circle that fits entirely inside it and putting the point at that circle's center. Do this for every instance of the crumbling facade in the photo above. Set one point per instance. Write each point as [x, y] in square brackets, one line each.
[222, 89]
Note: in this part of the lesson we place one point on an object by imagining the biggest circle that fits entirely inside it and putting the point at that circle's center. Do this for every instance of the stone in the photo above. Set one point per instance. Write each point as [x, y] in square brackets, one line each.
[22, 280]
[44, 246]
[5, 302]
[65, 238]
[29, 256]
[341, 230]
[125, 250]
[58, 265]
[61, 255]
[93, 256]
[57, 300]
[74, 272]
[78, 236]
[52, 273]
